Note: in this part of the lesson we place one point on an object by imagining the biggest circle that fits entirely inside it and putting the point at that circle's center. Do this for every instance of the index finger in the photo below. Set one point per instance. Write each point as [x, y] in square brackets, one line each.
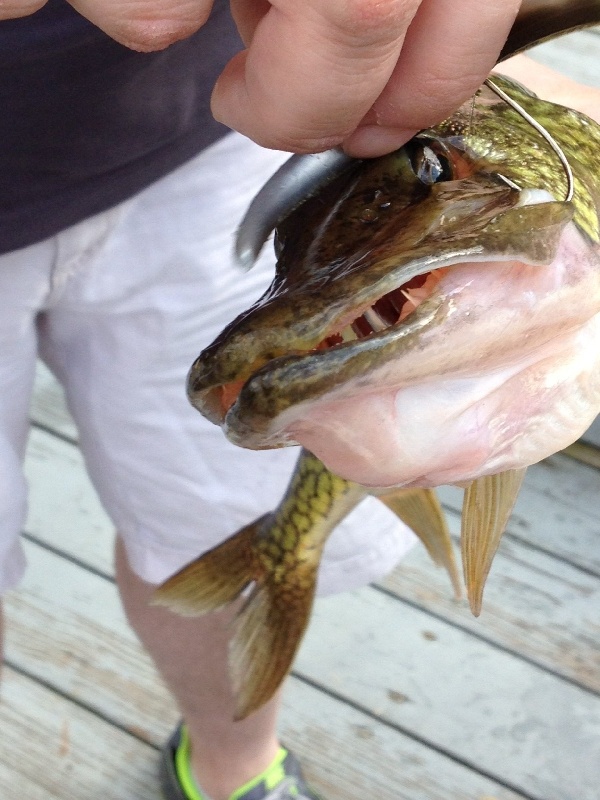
[312, 70]
[449, 50]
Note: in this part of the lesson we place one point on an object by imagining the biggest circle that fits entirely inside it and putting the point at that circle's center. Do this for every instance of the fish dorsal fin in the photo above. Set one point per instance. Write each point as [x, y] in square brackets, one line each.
[487, 506]
[421, 510]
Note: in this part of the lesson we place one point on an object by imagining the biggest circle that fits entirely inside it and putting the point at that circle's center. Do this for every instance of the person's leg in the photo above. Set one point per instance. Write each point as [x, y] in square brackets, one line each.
[145, 286]
[25, 285]
[191, 656]
[151, 283]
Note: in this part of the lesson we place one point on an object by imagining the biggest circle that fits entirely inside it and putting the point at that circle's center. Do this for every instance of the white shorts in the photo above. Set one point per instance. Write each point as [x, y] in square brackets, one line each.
[119, 306]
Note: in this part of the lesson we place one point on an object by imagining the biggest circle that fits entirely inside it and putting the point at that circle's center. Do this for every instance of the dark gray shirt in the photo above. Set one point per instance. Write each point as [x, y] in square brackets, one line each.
[86, 123]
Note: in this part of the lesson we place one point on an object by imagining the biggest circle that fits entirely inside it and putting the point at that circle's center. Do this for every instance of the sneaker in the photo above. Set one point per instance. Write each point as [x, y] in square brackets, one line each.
[282, 780]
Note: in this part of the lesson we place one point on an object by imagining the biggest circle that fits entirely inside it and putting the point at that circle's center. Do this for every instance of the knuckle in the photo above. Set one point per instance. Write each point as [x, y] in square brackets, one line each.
[372, 21]
[441, 94]
[19, 8]
[156, 32]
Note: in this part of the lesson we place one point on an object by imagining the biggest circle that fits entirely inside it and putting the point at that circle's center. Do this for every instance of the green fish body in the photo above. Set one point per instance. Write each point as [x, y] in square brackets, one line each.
[434, 318]
[279, 556]
[329, 358]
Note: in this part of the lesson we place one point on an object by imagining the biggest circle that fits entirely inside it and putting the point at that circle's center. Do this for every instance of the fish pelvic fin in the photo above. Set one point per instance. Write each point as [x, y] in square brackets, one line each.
[421, 510]
[215, 579]
[487, 505]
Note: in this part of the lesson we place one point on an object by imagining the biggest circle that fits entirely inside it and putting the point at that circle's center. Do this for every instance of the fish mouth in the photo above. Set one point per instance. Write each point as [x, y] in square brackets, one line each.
[377, 322]
[302, 341]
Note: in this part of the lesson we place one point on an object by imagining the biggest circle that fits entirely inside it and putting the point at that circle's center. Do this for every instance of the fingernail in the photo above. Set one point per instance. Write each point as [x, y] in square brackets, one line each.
[370, 141]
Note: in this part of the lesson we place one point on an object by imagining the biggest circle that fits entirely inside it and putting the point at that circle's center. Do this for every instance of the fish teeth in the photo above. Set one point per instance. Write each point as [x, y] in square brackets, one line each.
[348, 334]
[375, 320]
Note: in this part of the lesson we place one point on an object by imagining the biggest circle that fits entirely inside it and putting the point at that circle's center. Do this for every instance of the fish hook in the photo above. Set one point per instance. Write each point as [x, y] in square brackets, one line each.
[541, 130]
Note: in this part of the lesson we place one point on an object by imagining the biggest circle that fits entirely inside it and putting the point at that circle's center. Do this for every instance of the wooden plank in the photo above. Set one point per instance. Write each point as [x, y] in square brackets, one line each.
[593, 434]
[534, 605]
[54, 750]
[576, 55]
[560, 512]
[557, 510]
[66, 627]
[64, 509]
[487, 707]
[585, 452]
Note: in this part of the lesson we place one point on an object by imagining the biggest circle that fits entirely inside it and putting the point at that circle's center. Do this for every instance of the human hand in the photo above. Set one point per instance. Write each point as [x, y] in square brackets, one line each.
[144, 25]
[365, 74]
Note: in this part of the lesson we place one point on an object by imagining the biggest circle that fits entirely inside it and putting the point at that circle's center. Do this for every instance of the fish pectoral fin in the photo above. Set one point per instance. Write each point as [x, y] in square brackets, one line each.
[487, 505]
[266, 635]
[421, 510]
[215, 579]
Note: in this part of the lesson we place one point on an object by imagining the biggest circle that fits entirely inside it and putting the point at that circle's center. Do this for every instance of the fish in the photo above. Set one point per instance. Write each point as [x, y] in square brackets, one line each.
[537, 21]
[434, 319]
[277, 557]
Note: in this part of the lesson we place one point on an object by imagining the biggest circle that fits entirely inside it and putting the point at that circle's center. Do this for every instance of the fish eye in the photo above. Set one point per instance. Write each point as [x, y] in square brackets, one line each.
[429, 167]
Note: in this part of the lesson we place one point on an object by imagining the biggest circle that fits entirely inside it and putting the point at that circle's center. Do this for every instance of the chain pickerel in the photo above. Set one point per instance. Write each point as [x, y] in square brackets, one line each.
[434, 319]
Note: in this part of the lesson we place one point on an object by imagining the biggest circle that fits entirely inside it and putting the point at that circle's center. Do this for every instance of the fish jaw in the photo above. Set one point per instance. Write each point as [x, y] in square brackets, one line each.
[267, 380]
[309, 301]
[505, 373]
[533, 231]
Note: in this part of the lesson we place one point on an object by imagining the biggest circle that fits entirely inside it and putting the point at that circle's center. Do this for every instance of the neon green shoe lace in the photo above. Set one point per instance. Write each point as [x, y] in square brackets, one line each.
[268, 780]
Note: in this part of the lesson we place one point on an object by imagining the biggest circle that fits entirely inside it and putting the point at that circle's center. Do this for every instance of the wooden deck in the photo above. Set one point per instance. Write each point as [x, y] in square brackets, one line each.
[398, 693]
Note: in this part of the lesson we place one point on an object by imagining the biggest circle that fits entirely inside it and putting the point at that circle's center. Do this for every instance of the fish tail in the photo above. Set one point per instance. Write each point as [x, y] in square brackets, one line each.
[266, 636]
[268, 628]
[421, 510]
[215, 579]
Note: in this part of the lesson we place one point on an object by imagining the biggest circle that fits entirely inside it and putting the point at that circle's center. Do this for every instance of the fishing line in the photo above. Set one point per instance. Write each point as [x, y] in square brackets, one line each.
[470, 127]
[541, 130]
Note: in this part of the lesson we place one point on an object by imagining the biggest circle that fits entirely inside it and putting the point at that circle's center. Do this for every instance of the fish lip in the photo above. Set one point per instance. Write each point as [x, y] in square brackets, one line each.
[203, 391]
[246, 423]
[221, 364]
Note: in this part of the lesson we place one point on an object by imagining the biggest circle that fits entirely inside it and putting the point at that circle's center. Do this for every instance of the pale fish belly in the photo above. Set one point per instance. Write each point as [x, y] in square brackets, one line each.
[511, 376]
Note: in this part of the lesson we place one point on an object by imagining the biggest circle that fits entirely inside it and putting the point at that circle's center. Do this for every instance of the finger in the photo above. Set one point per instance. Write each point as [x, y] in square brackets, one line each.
[247, 14]
[449, 50]
[13, 9]
[312, 71]
[146, 24]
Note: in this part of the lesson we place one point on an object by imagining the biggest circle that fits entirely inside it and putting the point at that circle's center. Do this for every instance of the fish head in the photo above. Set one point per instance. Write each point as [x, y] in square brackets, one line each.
[410, 291]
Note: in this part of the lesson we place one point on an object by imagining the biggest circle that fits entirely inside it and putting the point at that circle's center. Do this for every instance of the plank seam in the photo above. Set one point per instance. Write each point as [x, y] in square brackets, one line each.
[64, 437]
[511, 536]
[57, 551]
[49, 686]
[480, 637]
[416, 737]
